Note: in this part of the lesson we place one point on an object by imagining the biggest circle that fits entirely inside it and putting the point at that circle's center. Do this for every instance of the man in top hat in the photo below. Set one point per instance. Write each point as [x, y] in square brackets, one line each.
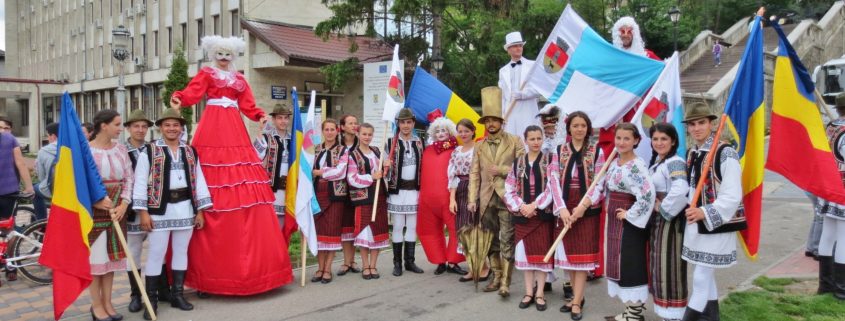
[710, 235]
[402, 175]
[138, 125]
[512, 76]
[169, 195]
[832, 260]
[492, 159]
[272, 147]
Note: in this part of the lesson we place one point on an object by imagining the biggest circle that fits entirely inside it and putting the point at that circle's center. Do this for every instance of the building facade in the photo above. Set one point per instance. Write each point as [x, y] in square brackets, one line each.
[69, 42]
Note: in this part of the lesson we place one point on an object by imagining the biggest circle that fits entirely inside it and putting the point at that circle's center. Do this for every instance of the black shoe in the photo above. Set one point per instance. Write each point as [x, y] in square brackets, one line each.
[826, 283]
[839, 280]
[456, 269]
[579, 315]
[135, 304]
[410, 248]
[397, 258]
[540, 306]
[315, 278]
[163, 285]
[567, 291]
[547, 287]
[116, 317]
[525, 305]
[151, 285]
[691, 315]
[441, 268]
[95, 318]
[712, 310]
[177, 298]
[326, 280]
[568, 308]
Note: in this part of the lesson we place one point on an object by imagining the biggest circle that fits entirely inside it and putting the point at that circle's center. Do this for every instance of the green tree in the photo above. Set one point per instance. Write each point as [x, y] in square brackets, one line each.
[177, 79]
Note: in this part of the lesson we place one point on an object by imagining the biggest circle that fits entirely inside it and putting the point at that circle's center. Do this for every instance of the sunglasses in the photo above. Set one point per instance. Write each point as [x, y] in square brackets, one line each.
[549, 121]
[626, 31]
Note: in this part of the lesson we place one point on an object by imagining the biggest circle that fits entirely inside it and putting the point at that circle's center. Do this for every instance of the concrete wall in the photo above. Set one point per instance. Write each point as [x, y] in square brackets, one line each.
[298, 12]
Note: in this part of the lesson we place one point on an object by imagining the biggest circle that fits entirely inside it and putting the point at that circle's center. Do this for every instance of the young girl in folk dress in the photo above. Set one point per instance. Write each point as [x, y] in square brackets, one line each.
[629, 199]
[241, 250]
[364, 172]
[331, 189]
[530, 189]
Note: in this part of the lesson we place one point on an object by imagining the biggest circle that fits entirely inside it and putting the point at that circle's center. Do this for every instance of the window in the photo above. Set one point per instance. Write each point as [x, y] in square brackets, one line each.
[200, 32]
[236, 24]
[169, 39]
[216, 24]
[155, 42]
[184, 38]
[131, 46]
[144, 44]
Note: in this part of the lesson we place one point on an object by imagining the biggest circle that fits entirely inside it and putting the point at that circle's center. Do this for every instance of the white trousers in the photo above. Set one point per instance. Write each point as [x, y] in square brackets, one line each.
[409, 223]
[135, 242]
[703, 287]
[159, 240]
[833, 231]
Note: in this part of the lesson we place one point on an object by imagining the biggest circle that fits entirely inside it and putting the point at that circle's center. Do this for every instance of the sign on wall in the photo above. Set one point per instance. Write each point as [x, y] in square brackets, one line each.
[376, 75]
[279, 92]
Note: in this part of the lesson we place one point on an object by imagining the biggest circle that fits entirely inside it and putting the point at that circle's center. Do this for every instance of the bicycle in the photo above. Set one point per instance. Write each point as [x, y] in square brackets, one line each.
[24, 215]
[25, 250]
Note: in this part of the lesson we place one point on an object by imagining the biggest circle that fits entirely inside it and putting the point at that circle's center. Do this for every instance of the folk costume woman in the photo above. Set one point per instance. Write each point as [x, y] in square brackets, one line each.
[107, 254]
[434, 212]
[629, 199]
[349, 140]
[242, 223]
[667, 271]
[530, 189]
[363, 174]
[579, 159]
[332, 194]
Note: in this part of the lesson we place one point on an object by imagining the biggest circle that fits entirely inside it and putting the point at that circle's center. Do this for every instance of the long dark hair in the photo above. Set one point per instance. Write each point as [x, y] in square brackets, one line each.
[104, 116]
[669, 130]
[582, 115]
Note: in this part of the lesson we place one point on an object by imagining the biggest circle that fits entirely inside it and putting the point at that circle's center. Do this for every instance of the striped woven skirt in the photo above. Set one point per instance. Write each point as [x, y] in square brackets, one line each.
[627, 269]
[372, 234]
[347, 222]
[106, 253]
[463, 217]
[328, 222]
[581, 242]
[533, 239]
[667, 271]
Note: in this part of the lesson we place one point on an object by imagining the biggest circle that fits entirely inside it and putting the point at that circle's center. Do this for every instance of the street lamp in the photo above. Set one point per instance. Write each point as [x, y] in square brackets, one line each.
[437, 62]
[675, 15]
[120, 43]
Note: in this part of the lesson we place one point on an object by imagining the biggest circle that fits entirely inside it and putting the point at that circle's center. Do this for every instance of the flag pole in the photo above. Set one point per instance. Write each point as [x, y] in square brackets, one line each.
[705, 170]
[380, 162]
[592, 185]
[302, 246]
[822, 105]
[134, 268]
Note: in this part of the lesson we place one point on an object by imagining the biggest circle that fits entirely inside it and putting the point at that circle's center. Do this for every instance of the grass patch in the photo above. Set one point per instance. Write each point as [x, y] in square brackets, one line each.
[773, 302]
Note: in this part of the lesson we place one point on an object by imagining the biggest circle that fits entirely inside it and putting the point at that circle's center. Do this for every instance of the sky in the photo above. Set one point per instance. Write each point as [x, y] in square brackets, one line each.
[3, 23]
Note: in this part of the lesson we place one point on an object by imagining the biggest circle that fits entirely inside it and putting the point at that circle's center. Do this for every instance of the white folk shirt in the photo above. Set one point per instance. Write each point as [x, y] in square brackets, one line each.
[670, 178]
[525, 110]
[177, 216]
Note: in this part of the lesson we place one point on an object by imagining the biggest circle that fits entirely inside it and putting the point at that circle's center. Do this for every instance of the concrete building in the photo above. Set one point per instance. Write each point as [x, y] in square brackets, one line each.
[65, 45]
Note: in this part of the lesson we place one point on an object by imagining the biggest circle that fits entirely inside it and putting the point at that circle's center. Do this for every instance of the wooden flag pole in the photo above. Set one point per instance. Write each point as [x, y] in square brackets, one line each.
[822, 105]
[134, 268]
[378, 181]
[705, 170]
[592, 185]
[302, 246]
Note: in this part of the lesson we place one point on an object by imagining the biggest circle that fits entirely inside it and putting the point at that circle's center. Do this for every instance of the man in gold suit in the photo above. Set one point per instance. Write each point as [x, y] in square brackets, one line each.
[492, 160]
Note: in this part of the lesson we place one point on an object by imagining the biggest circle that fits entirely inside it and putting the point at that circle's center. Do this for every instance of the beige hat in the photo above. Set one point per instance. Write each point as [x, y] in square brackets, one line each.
[513, 38]
[491, 104]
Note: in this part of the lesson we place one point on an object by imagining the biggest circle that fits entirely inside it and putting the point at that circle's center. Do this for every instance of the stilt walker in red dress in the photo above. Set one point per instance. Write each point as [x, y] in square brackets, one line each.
[434, 211]
[241, 250]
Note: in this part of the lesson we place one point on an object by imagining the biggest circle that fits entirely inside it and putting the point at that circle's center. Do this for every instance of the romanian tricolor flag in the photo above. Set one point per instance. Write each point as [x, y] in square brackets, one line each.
[77, 187]
[747, 125]
[798, 147]
[300, 200]
[427, 94]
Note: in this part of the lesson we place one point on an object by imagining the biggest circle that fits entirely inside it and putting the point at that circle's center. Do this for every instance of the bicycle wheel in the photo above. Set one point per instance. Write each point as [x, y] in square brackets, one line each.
[30, 268]
[24, 215]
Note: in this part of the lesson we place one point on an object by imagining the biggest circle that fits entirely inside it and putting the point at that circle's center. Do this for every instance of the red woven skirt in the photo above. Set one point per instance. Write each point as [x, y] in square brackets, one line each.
[328, 222]
[581, 242]
[536, 236]
[379, 227]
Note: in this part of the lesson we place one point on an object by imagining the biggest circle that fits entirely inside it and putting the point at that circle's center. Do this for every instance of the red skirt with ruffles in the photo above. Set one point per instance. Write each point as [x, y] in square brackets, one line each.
[240, 251]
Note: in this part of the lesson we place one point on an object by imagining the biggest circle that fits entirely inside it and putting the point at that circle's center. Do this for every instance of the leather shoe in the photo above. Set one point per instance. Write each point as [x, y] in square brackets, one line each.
[456, 269]
[523, 304]
[441, 268]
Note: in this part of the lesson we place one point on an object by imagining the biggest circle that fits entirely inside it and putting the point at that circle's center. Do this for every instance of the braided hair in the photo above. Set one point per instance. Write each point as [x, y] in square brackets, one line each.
[104, 116]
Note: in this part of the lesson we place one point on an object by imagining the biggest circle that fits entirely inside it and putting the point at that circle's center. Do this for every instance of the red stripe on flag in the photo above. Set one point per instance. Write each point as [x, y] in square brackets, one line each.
[753, 203]
[790, 152]
[65, 252]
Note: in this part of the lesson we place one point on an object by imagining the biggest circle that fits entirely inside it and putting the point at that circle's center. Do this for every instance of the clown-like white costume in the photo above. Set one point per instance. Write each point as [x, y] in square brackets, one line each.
[552, 113]
[511, 77]
[637, 45]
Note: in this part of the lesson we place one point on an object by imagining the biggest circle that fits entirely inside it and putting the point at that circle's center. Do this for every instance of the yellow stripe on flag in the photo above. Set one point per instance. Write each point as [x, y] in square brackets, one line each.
[458, 109]
[791, 104]
[68, 199]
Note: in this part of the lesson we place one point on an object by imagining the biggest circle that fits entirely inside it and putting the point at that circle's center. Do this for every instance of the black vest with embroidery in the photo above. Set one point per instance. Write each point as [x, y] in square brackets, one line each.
[362, 196]
[338, 190]
[393, 176]
[834, 133]
[538, 171]
[695, 161]
[158, 183]
[273, 159]
[585, 168]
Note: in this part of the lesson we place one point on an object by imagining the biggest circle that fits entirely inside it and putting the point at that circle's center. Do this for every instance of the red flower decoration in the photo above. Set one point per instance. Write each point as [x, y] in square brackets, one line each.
[434, 114]
[444, 145]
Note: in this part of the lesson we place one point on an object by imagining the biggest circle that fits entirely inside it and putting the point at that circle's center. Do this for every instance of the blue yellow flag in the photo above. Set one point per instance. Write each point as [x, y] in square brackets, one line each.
[427, 94]
[747, 125]
[77, 187]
